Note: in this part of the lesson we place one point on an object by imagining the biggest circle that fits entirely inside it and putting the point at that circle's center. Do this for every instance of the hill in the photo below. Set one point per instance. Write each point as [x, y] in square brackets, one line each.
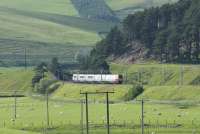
[124, 7]
[15, 79]
[95, 10]
[158, 74]
[161, 82]
[71, 92]
[167, 34]
[173, 93]
[44, 26]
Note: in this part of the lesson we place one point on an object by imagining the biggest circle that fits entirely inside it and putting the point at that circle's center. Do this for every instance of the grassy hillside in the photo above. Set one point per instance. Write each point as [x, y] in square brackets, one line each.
[189, 93]
[122, 4]
[177, 93]
[161, 82]
[151, 76]
[158, 74]
[15, 79]
[44, 25]
[124, 7]
[14, 131]
[62, 7]
[72, 91]
[95, 10]
[65, 117]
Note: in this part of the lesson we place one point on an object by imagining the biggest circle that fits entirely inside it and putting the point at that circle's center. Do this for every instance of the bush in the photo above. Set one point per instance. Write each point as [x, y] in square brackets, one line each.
[53, 88]
[44, 86]
[135, 91]
[196, 81]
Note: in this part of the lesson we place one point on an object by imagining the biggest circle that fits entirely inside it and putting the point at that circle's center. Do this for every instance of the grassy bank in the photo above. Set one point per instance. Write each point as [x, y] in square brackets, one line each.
[17, 79]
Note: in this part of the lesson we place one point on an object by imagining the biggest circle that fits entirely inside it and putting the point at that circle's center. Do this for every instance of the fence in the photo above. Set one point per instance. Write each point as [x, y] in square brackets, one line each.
[124, 117]
[163, 75]
[20, 52]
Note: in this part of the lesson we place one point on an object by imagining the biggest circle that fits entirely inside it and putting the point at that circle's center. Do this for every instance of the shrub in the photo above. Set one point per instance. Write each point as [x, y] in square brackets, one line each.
[53, 87]
[135, 91]
[44, 86]
[196, 81]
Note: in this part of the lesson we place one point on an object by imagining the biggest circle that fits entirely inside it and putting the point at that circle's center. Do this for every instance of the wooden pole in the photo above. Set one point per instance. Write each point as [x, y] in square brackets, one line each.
[108, 116]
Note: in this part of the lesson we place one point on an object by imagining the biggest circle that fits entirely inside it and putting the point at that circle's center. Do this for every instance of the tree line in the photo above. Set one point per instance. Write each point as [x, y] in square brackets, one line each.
[170, 34]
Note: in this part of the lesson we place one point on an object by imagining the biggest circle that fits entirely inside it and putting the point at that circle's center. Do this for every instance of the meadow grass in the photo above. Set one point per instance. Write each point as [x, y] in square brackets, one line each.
[174, 111]
[71, 91]
[42, 23]
[123, 4]
[158, 74]
[124, 7]
[185, 93]
[13, 131]
[31, 116]
[62, 7]
[15, 79]
[34, 29]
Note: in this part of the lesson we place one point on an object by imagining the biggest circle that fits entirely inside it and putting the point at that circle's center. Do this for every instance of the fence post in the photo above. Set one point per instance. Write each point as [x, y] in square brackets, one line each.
[167, 124]
[149, 123]
[124, 123]
[4, 124]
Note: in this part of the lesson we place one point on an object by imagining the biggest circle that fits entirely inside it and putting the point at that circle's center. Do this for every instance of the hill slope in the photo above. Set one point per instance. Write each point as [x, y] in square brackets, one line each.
[12, 79]
[158, 74]
[93, 9]
[124, 7]
[41, 24]
[169, 34]
[184, 93]
[18, 79]
[161, 82]
[44, 25]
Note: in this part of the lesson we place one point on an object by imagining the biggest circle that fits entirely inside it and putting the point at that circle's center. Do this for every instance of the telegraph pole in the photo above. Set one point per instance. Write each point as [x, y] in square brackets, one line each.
[47, 107]
[25, 59]
[107, 107]
[87, 118]
[108, 117]
[15, 105]
[82, 127]
[142, 121]
[181, 75]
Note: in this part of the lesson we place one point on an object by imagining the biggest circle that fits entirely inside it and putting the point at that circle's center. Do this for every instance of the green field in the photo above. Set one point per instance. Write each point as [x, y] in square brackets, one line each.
[169, 109]
[53, 27]
[158, 74]
[63, 7]
[125, 117]
[15, 79]
[124, 7]
[122, 4]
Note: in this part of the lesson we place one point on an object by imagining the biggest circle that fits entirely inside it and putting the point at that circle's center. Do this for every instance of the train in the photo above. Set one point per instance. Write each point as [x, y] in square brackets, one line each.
[97, 78]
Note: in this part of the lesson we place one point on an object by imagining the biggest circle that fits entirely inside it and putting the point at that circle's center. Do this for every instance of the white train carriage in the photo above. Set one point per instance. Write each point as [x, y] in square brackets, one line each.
[98, 78]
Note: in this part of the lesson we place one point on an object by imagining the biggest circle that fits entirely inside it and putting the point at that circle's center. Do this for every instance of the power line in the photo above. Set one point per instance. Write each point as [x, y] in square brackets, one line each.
[47, 107]
[107, 109]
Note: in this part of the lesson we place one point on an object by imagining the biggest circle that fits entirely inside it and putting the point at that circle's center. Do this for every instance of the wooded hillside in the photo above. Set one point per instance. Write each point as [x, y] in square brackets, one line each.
[170, 33]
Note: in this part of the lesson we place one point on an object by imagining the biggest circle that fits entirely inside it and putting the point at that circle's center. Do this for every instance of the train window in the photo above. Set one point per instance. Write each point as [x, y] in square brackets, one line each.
[82, 76]
[74, 76]
[90, 77]
[120, 76]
